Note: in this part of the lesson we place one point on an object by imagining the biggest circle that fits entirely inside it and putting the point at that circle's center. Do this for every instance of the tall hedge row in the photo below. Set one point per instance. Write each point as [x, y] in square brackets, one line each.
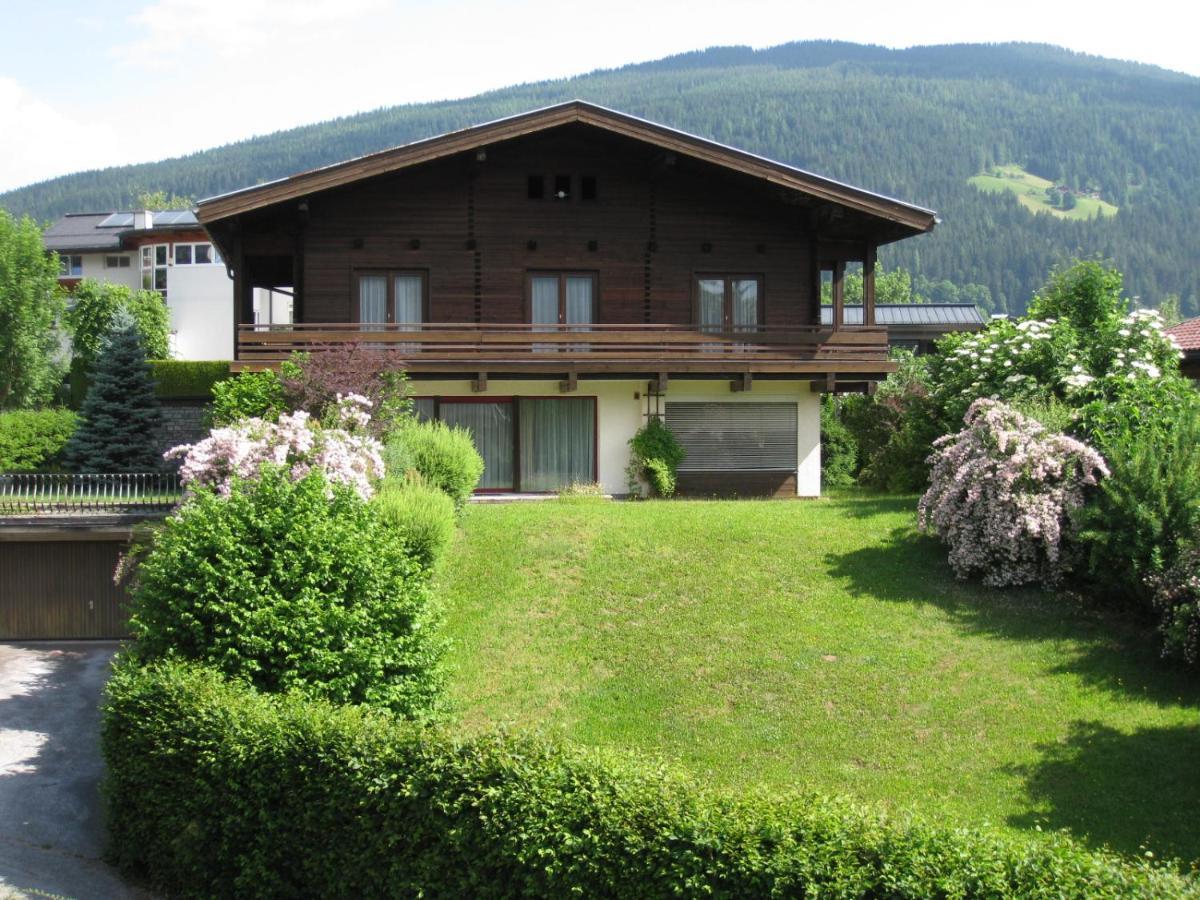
[216, 790]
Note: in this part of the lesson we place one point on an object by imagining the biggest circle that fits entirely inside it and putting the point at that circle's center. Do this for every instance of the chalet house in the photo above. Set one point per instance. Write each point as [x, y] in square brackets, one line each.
[553, 279]
[168, 252]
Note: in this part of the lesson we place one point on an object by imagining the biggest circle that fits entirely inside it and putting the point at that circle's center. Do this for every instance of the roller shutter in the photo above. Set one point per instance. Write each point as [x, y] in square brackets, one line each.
[735, 437]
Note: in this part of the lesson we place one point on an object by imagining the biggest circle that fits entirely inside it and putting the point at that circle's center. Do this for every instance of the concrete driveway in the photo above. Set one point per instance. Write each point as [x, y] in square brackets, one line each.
[51, 823]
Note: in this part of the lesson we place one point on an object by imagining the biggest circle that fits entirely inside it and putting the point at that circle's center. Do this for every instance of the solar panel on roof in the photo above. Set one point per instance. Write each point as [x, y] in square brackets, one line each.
[117, 220]
[174, 217]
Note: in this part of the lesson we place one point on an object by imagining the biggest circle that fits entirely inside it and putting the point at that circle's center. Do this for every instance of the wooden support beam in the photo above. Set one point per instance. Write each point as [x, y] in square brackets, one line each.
[743, 383]
[571, 384]
[828, 386]
[839, 294]
[659, 384]
[872, 388]
[479, 385]
[869, 285]
[814, 276]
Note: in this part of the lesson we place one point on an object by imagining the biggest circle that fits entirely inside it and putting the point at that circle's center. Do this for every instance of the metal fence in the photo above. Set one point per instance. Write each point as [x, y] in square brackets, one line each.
[30, 494]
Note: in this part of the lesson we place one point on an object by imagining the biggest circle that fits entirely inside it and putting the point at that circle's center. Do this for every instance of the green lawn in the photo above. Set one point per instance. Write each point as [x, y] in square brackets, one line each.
[1030, 190]
[820, 645]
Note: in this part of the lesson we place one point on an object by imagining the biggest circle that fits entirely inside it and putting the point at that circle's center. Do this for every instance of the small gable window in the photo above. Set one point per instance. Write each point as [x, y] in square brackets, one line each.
[562, 187]
[537, 187]
[587, 187]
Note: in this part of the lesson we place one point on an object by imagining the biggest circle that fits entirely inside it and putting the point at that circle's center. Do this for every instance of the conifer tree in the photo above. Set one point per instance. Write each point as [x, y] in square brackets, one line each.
[121, 415]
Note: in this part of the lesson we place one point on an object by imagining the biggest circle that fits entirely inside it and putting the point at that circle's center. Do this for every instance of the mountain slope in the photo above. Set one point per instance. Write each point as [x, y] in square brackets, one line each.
[915, 124]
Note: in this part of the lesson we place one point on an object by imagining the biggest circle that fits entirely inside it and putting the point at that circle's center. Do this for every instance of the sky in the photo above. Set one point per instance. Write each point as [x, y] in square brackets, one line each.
[86, 84]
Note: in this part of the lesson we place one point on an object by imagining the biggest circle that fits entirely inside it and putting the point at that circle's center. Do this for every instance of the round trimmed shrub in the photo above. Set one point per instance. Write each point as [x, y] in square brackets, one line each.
[444, 456]
[291, 585]
[424, 516]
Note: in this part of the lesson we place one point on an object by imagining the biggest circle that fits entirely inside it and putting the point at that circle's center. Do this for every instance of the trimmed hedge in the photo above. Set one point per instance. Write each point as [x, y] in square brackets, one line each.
[218, 791]
[187, 379]
[31, 440]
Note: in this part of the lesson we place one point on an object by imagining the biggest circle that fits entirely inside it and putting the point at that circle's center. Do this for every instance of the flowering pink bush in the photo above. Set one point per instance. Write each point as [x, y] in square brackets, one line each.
[1001, 494]
[345, 451]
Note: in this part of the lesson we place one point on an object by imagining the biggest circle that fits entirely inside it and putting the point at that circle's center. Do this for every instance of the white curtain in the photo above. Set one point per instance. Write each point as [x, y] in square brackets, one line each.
[491, 427]
[544, 300]
[712, 304]
[745, 304]
[579, 301]
[409, 299]
[557, 442]
[372, 299]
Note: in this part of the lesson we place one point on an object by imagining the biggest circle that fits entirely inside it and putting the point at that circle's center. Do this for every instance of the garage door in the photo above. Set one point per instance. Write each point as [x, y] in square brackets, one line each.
[60, 589]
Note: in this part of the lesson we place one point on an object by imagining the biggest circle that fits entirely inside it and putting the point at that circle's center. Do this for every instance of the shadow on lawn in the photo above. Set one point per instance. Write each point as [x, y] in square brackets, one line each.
[1106, 651]
[1128, 791]
[861, 504]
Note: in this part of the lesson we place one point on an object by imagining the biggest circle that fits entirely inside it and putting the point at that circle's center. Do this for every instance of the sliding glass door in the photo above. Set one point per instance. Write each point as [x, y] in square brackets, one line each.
[557, 442]
[533, 444]
[491, 427]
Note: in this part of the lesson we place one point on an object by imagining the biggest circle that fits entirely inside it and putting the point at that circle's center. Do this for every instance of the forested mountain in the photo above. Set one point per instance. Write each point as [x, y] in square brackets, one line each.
[915, 124]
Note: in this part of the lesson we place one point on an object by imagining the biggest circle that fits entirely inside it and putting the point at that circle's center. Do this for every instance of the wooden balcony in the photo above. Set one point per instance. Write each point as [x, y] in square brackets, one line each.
[449, 349]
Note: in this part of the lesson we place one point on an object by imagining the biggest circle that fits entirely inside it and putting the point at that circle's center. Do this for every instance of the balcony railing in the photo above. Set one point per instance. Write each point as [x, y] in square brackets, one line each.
[458, 347]
[25, 494]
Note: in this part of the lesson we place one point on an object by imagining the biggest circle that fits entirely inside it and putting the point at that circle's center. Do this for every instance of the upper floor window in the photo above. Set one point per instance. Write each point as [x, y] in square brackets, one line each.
[70, 266]
[196, 255]
[562, 298]
[728, 302]
[154, 268]
[392, 298]
[116, 262]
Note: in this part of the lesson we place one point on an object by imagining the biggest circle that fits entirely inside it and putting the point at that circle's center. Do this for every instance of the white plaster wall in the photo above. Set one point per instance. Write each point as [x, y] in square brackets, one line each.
[200, 299]
[93, 267]
[621, 408]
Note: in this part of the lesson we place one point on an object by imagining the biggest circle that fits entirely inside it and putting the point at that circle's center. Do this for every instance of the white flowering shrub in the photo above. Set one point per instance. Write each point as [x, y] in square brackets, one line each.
[1001, 495]
[343, 451]
[1079, 343]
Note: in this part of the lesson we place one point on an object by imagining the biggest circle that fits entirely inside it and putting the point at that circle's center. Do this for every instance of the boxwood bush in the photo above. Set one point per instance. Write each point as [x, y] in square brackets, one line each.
[291, 585]
[216, 790]
[31, 440]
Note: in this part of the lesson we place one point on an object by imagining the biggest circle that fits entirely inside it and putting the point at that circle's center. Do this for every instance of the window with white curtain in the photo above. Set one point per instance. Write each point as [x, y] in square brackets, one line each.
[562, 298]
[389, 298]
[728, 302]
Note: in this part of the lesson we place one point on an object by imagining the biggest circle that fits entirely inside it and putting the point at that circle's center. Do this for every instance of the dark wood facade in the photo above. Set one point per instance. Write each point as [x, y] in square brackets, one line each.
[647, 211]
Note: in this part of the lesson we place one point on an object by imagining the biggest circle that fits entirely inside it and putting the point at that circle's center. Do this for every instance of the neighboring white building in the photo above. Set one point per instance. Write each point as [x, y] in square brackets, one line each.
[168, 252]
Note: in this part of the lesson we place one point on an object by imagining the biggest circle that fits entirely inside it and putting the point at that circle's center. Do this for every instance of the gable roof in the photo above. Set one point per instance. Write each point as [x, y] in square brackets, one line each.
[915, 219]
[1187, 333]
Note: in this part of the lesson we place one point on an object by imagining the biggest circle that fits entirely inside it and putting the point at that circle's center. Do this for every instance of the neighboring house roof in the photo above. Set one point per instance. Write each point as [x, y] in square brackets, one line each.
[106, 231]
[933, 316]
[80, 231]
[1188, 335]
[909, 219]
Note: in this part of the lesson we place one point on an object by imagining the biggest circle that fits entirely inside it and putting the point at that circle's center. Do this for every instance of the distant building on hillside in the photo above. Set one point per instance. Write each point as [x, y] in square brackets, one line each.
[1188, 335]
[168, 252]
